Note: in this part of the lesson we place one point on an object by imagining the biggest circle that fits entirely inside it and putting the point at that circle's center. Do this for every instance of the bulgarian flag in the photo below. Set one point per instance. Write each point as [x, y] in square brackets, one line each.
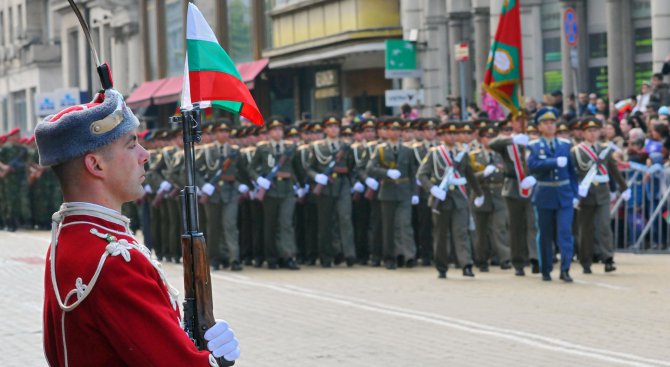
[503, 78]
[210, 76]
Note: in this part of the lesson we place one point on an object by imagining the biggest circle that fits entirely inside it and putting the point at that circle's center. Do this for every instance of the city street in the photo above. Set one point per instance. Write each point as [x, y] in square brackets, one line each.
[374, 317]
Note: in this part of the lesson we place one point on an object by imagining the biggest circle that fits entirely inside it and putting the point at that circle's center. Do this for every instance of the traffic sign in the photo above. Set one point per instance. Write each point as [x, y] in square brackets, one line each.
[462, 52]
[398, 97]
[570, 26]
[401, 60]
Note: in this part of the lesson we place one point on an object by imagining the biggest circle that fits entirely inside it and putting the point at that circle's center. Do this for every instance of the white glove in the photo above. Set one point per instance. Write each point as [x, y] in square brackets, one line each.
[562, 161]
[626, 194]
[613, 196]
[148, 189]
[438, 193]
[358, 187]
[479, 201]
[415, 199]
[372, 183]
[520, 139]
[528, 182]
[263, 182]
[393, 174]
[221, 341]
[321, 179]
[489, 170]
[165, 186]
[583, 191]
[306, 188]
[575, 203]
[208, 189]
[300, 192]
[243, 189]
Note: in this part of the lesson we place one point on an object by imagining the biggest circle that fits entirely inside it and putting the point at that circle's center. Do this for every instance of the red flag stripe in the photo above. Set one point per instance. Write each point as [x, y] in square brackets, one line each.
[219, 86]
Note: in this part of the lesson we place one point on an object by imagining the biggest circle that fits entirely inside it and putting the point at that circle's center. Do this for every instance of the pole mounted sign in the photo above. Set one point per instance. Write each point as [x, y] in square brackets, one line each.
[570, 26]
[401, 60]
[462, 52]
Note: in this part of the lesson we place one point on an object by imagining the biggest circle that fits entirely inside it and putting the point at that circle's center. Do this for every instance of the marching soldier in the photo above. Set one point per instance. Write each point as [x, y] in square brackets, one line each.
[152, 189]
[491, 217]
[371, 194]
[556, 193]
[274, 169]
[595, 165]
[250, 211]
[224, 183]
[13, 171]
[516, 190]
[423, 229]
[444, 173]
[331, 166]
[393, 165]
[361, 206]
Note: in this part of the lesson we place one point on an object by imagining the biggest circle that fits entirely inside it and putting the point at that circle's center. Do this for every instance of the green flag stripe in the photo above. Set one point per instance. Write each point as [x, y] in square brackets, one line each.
[209, 56]
[230, 106]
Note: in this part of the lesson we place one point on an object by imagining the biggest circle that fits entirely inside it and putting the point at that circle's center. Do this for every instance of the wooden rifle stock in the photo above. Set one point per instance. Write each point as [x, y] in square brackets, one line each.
[329, 171]
[369, 194]
[260, 195]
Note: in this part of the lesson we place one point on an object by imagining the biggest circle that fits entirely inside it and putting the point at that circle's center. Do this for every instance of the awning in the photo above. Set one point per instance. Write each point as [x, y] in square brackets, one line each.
[141, 97]
[170, 91]
[250, 70]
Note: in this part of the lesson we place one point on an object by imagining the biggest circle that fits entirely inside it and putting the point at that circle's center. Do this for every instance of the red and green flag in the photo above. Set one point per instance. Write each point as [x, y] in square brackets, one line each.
[503, 78]
[209, 73]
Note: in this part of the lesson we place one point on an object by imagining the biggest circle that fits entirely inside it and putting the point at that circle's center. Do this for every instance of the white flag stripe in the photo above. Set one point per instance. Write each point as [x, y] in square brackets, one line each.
[197, 27]
[186, 88]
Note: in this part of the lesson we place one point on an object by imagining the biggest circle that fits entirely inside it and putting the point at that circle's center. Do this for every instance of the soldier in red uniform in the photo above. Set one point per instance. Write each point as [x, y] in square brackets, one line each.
[107, 302]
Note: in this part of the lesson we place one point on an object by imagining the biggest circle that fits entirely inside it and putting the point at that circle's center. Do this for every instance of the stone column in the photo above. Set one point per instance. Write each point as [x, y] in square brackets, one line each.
[660, 32]
[615, 50]
[481, 46]
[411, 19]
[436, 74]
[221, 9]
[257, 27]
[531, 41]
[161, 42]
[143, 53]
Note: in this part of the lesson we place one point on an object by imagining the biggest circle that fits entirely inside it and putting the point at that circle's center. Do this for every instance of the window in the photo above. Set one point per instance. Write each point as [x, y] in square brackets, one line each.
[239, 30]
[551, 48]
[598, 81]
[553, 80]
[10, 21]
[597, 45]
[174, 38]
[73, 58]
[20, 112]
[643, 73]
[641, 9]
[19, 21]
[642, 40]
[551, 16]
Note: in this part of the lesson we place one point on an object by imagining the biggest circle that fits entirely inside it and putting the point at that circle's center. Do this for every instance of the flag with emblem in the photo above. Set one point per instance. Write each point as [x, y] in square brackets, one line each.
[209, 73]
[503, 78]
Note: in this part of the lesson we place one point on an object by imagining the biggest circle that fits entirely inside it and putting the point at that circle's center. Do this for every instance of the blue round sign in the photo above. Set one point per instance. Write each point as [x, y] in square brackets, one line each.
[570, 25]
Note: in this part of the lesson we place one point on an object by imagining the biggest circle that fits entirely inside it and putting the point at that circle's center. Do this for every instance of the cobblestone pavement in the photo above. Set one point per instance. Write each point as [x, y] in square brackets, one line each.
[374, 317]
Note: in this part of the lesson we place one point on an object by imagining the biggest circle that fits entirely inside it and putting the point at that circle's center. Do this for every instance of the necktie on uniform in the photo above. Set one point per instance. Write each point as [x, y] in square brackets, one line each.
[490, 158]
[551, 146]
[276, 148]
[333, 148]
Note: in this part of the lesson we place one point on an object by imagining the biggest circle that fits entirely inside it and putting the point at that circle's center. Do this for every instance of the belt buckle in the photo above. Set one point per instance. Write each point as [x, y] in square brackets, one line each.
[596, 183]
[221, 183]
[280, 179]
[334, 175]
[451, 187]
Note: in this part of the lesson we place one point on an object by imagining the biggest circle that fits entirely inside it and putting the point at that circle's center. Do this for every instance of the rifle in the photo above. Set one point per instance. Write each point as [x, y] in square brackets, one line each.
[260, 195]
[34, 173]
[198, 306]
[447, 179]
[204, 199]
[330, 169]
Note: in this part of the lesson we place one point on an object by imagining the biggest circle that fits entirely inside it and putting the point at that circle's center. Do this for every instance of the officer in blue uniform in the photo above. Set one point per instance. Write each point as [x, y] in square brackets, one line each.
[555, 194]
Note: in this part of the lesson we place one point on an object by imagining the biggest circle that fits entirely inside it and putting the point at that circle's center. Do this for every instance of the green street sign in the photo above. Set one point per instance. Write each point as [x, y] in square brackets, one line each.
[401, 59]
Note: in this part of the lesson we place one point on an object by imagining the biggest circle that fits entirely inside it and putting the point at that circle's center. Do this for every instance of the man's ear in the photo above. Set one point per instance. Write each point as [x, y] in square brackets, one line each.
[94, 164]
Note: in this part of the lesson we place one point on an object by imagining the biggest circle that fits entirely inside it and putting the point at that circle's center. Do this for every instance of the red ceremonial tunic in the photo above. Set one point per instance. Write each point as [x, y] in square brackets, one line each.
[127, 316]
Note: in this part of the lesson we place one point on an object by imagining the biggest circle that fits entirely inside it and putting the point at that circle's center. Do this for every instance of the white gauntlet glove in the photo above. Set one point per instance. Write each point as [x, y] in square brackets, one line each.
[415, 199]
[321, 179]
[393, 174]
[221, 341]
[528, 182]
[489, 170]
[208, 189]
[358, 187]
[520, 139]
[263, 182]
[148, 189]
[372, 183]
[626, 194]
[243, 189]
[438, 193]
[479, 201]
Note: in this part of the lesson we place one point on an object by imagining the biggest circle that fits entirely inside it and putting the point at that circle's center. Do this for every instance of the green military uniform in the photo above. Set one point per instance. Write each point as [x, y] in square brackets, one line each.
[173, 159]
[594, 207]
[224, 173]
[334, 202]
[279, 201]
[250, 218]
[491, 217]
[451, 217]
[310, 214]
[522, 230]
[152, 182]
[394, 193]
[423, 223]
[360, 213]
[15, 185]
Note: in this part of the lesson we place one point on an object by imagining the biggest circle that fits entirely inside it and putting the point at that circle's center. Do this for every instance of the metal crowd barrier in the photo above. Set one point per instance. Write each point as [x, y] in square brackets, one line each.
[641, 225]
